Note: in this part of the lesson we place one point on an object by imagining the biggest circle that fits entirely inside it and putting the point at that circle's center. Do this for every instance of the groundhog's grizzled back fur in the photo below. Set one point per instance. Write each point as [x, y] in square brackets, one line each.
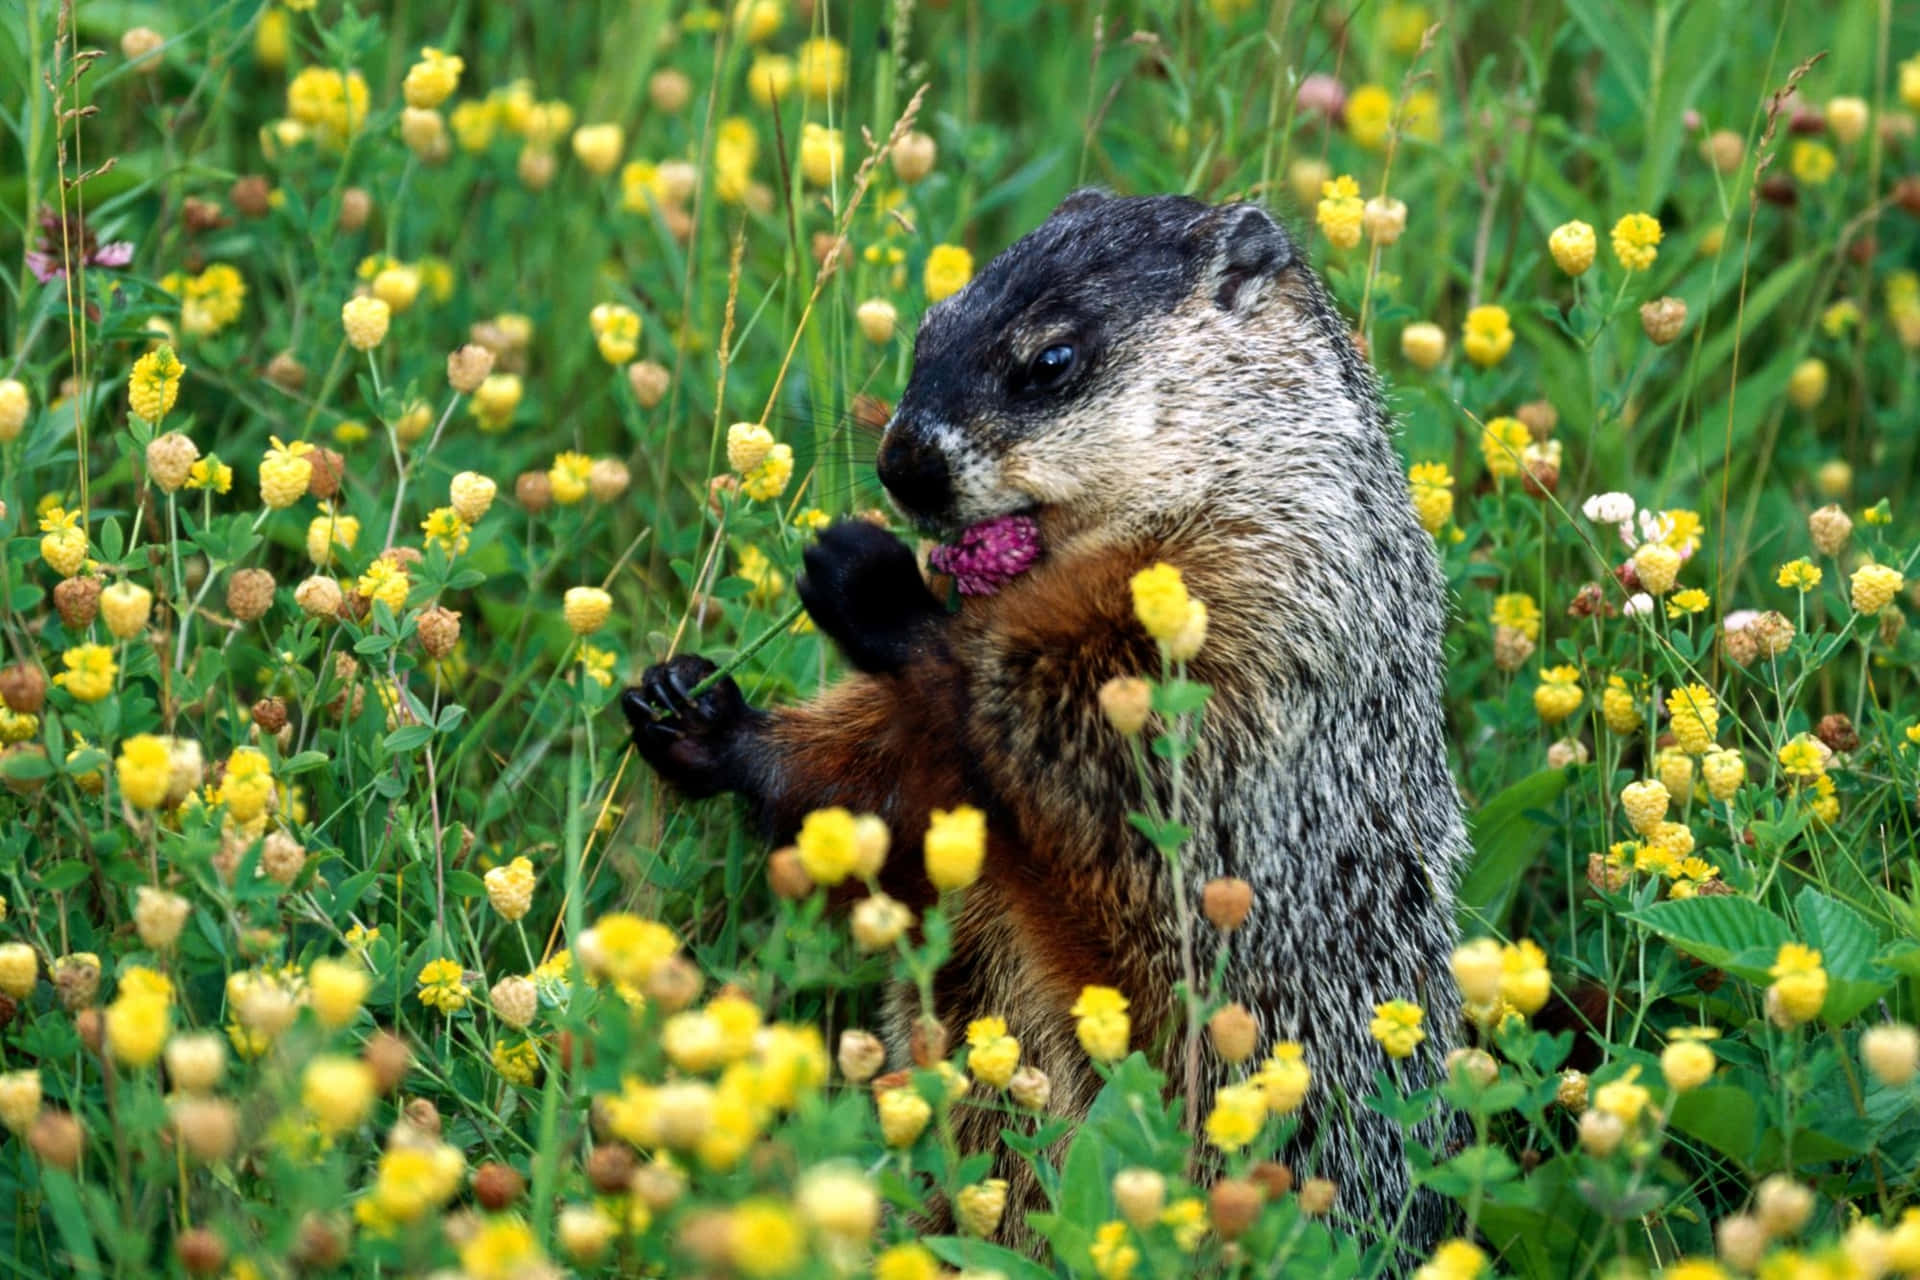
[1210, 411]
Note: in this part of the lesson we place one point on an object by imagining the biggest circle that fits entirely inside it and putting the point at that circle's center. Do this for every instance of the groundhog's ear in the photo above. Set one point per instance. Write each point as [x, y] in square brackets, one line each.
[1247, 248]
[1082, 199]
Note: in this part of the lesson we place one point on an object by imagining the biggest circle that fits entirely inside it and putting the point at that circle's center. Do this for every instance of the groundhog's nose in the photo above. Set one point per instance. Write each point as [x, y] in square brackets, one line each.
[915, 473]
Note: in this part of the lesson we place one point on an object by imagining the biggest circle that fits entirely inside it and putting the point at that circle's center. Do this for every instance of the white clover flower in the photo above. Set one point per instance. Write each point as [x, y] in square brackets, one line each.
[1609, 508]
[1638, 604]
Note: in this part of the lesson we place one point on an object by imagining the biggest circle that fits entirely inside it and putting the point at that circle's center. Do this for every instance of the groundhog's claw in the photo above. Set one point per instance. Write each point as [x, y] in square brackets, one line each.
[692, 742]
[864, 589]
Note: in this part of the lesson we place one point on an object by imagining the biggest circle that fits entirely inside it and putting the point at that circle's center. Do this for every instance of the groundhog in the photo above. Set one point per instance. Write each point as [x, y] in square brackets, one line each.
[1150, 380]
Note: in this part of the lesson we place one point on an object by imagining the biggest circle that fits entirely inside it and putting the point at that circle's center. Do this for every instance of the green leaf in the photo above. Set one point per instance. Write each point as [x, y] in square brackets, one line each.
[27, 765]
[1718, 930]
[979, 1256]
[1902, 957]
[1845, 941]
[1723, 1117]
[1477, 1166]
[112, 540]
[350, 891]
[70, 1218]
[1620, 40]
[465, 884]
[1178, 697]
[63, 875]
[1847, 945]
[305, 762]
[409, 737]
[1506, 838]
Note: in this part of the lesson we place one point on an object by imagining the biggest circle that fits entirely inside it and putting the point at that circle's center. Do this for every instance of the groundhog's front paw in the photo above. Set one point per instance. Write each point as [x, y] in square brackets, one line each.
[864, 589]
[695, 742]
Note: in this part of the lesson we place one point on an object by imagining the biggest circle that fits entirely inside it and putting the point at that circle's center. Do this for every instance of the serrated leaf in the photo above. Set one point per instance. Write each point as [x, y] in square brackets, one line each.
[1847, 944]
[1718, 930]
[1844, 939]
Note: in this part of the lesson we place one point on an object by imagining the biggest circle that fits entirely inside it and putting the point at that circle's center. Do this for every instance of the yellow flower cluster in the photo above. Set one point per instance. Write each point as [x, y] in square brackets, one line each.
[88, 672]
[285, 473]
[1518, 610]
[1170, 615]
[63, 542]
[1503, 445]
[144, 770]
[510, 888]
[495, 400]
[768, 478]
[1874, 586]
[1498, 980]
[822, 154]
[1799, 985]
[1102, 1023]
[412, 1179]
[834, 844]
[1572, 245]
[992, 1054]
[949, 268]
[365, 318]
[154, 384]
[443, 528]
[955, 847]
[1432, 486]
[210, 300]
[443, 985]
[1396, 1025]
[764, 1071]
[1487, 335]
[138, 1020]
[616, 330]
[386, 581]
[1636, 238]
[1340, 212]
[1694, 717]
[1558, 695]
[627, 948]
[332, 103]
[1239, 1112]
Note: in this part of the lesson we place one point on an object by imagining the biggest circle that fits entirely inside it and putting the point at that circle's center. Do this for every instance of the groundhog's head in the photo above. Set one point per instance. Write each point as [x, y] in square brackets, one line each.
[1119, 361]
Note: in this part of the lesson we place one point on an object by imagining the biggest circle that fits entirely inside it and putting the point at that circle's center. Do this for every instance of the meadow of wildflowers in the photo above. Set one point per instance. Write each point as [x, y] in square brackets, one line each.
[383, 386]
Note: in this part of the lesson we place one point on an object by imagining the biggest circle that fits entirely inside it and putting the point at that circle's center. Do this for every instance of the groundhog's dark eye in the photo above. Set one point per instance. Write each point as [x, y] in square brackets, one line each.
[1048, 370]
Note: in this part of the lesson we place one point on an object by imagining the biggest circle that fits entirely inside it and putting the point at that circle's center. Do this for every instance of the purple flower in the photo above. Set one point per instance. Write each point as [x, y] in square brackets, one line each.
[64, 238]
[1320, 94]
[990, 554]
